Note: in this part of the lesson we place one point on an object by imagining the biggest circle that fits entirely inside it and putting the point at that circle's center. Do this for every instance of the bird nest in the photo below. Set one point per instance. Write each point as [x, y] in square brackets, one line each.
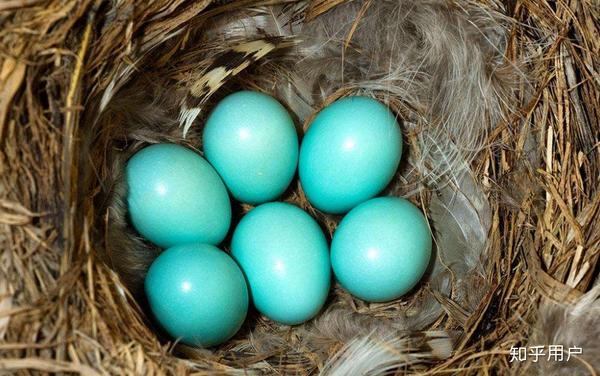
[498, 102]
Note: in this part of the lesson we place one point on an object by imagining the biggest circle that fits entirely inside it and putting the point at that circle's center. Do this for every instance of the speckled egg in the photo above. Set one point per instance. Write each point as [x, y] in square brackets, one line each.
[251, 141]
[349, 153]
[381, 249]
[175, 197]
[197, 293]
[285, 257]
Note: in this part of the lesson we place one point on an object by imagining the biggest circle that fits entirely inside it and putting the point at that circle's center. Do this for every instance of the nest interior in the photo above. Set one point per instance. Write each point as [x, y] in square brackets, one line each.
[498, 102]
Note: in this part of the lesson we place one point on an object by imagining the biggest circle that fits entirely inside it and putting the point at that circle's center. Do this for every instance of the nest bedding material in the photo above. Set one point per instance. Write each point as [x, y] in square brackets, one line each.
[499, 105]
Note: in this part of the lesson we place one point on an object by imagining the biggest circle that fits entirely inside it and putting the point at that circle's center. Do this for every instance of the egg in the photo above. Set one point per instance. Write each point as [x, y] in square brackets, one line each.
[349, 154]
[381, 249]
[251, 141]
[285, 257]
[197, 293]
[175, 197]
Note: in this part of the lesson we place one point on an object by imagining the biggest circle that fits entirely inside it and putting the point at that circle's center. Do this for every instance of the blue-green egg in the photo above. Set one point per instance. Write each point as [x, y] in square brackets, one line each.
[197, 293]
[285, 258]
[175, 197]
[251, 141]
[349, 154]
[381, 249]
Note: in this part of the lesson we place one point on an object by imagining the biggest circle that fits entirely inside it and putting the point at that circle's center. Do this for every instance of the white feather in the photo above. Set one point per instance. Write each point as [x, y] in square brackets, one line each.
[369, 356]
[187, 117]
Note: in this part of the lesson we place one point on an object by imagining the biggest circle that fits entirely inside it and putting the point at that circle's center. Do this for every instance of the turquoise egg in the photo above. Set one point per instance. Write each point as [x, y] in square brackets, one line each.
[197, 293]
[251, 141]
[285, 258]
[381, 249]
[349, 154]
[175, 197]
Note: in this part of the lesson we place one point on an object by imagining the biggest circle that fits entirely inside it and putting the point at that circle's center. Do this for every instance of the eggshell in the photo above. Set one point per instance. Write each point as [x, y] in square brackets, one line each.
[251, 141]
[197, 293]
[285, 257]
[349, 154]
[381, 249]
[175, 197]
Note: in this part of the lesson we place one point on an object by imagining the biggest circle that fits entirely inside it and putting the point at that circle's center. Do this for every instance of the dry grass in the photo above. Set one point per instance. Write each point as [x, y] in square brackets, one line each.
[61, 310]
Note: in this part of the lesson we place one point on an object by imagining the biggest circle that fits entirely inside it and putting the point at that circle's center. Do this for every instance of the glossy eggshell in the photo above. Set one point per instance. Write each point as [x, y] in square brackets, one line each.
[285, 258]
[197, 293]
[175, 197]
[381, 249]
[349, 153]
[251, 141]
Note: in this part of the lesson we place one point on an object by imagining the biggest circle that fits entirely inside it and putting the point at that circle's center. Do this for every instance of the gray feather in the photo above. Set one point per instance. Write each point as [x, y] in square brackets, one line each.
[570, 326]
